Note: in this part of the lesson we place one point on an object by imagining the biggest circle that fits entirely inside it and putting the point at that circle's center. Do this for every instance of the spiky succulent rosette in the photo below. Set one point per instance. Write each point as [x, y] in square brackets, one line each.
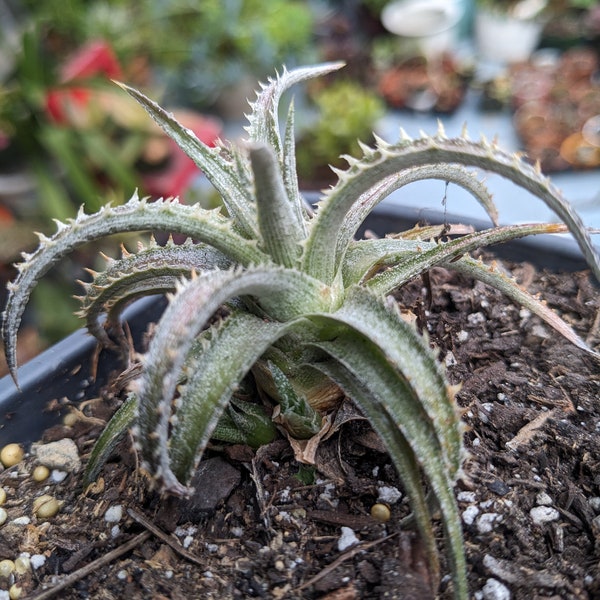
[302, 307]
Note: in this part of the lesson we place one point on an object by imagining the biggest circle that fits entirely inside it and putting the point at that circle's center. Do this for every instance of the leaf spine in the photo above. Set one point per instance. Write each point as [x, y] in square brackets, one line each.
[404, 137]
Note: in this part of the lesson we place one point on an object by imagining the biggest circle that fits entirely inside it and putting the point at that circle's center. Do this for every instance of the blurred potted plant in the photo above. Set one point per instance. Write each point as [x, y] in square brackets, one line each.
[571, 23]
[422, 84]
[429, 26]
[510, 30]
[240, 41]
[56, 127]
[347, 112]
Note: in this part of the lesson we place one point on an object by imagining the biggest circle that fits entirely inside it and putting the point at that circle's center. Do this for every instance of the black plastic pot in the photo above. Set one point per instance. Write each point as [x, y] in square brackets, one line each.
[64, 369]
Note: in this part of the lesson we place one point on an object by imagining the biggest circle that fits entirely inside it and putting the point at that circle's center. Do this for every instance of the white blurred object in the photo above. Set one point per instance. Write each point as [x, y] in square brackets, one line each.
[509, 38]
[432, 24]
[529, 9]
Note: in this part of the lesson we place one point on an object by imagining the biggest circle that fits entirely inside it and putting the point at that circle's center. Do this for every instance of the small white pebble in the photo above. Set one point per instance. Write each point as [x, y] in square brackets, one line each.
[283, 515]
[543, 499]
[388, 494]
[476, 318]
[450, 359]
[122, 575]
[539, 332]
[462, 335]
[466, 496]
[486, 409]
[486, 521]
[544, 514]
[495, 590]
[169, 574]
[470, 514]
[187, 541]
[4, 595]
[115, 531]
[113, 514]
[208, 574]
[237, 531]
[37, 560]
[21, 521]
[595, 503]
[347, 539]
[58, 476]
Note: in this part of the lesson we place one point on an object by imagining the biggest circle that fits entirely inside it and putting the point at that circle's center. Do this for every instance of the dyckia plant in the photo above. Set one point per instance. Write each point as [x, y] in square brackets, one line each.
[274, 297]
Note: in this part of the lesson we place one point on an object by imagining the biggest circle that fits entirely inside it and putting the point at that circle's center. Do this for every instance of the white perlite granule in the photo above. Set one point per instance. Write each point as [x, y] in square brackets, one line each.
[544, 514]
[347, 539]
[388, 494]
[495, 590]
[113, 514]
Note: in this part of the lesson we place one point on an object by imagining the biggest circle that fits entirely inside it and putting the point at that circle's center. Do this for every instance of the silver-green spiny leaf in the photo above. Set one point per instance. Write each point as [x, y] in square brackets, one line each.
[206, 226]
[448, 173]
[247, 423]
[214, 162]
[419, 262]
[151, 270]
[280, 226]
[404, 458]
[387, 160]
[263, 121]
[294, 412]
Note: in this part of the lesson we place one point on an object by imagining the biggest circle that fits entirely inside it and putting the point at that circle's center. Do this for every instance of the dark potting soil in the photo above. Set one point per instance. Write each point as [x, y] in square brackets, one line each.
[265, 526]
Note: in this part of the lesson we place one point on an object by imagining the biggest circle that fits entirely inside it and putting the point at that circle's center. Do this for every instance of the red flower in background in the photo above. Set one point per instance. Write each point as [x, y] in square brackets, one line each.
[77, 101]
[95, 59]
